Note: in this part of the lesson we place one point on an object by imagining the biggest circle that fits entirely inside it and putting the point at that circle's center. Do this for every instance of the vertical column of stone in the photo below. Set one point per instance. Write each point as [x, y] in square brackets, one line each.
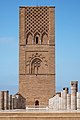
[1, 100]
[68, 101]
[78, 101]
[64, 98]
[74, 90]
[6, 100]
[60, 103]
[15, 103]
[11, 102]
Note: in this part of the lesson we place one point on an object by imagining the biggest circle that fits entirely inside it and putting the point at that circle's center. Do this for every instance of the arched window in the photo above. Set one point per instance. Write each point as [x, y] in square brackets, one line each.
[37, 38]
[36, 63]
[29, 39]
[44, 39]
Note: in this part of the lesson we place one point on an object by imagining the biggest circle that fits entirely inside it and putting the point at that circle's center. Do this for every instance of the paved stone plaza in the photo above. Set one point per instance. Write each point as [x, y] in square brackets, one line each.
[39, 115]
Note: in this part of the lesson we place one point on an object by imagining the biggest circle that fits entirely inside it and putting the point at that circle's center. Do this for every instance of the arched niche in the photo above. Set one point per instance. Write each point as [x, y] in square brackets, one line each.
[35, 64]
[29, 39]
[44, 39]
[37, 38]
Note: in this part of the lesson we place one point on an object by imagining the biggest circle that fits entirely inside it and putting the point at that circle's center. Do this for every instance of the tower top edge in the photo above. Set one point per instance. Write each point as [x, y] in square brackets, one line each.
[36, 6]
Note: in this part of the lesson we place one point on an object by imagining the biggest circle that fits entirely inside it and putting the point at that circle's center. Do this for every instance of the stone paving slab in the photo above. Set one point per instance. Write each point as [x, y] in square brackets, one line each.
[39, 115]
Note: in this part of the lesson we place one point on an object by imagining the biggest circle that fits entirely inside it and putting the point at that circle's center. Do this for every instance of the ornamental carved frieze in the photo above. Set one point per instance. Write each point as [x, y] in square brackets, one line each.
[35, 62]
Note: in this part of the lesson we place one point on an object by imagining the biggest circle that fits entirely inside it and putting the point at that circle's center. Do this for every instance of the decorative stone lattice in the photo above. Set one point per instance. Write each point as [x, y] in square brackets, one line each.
[36, 20]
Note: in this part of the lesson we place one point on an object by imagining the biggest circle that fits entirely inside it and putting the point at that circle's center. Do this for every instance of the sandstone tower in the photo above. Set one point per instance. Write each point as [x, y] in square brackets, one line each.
[37, 55]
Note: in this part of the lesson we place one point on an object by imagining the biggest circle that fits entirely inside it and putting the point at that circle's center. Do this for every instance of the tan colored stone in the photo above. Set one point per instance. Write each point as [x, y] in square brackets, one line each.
[37, 55]
[36, 115]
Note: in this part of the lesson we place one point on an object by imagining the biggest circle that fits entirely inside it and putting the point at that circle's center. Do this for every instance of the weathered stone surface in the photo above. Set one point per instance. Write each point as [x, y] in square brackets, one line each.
[54, 103]
[65, 101]
[4, 100]
[74, 90]
[68, 101]
[37, 55]
[78, 101]
[36, 115]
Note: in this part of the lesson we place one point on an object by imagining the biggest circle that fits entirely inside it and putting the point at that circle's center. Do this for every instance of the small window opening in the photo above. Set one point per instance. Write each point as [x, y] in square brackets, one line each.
[36, 103]
[36, 40]
[26, 41]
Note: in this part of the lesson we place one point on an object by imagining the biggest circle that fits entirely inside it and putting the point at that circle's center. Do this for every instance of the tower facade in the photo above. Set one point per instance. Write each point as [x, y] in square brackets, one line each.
[37, 55]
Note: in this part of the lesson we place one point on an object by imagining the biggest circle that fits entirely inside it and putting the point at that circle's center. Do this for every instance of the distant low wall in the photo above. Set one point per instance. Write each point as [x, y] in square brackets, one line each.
[36, 115]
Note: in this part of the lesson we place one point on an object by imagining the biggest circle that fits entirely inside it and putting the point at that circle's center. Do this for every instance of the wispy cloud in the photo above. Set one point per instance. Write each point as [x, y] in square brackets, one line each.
[7, 40]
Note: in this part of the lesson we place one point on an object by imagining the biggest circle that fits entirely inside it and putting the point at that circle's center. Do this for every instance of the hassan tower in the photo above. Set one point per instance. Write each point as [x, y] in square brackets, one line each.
[37, 55]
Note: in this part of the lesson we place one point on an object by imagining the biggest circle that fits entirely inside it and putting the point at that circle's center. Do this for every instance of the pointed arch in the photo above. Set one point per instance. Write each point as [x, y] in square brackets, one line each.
[44, 39]
[35, 64]
[37, 38]
[29, 38]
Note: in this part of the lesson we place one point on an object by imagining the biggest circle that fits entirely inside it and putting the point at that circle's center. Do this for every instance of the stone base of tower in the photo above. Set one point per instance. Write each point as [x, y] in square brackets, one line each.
[39, 115]
[37, 89]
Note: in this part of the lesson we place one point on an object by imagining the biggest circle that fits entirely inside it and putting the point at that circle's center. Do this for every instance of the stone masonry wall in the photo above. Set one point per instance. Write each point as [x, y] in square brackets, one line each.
[37, 54]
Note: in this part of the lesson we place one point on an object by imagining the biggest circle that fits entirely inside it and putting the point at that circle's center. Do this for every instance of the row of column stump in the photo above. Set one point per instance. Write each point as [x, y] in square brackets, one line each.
[9, 102]
[6, 101]
[66, 101]
[61, 101]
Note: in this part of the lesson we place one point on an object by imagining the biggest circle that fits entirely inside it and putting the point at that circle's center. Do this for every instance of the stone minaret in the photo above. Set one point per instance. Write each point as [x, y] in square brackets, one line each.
[37, 55]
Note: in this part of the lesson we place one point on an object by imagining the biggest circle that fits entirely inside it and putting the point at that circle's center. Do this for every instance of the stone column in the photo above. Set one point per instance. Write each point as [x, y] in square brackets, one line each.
[6, 100]
[1, 100]
[64, 98]
[15, 102]
[74, 90]
[68, 101]
[78, 101]
[10, 102]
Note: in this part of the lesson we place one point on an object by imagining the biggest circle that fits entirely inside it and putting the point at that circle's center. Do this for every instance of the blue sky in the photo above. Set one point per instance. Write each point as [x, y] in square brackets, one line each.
[67, 37]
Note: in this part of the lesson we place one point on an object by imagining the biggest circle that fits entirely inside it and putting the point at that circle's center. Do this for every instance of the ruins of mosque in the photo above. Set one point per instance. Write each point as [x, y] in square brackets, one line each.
[60, 101]
[37, 65]
[65, 100]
